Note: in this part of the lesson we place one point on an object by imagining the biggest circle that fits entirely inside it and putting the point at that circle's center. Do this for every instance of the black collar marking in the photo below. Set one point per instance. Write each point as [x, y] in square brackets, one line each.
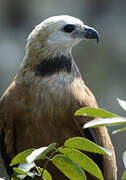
[49, 66]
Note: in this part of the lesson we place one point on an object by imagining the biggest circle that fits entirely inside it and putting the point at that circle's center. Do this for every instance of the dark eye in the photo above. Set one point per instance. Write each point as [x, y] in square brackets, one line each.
[69, 28]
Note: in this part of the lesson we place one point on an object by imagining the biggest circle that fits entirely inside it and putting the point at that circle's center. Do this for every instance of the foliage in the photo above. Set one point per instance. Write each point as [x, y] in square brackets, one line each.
[105, 118]
[69, 158]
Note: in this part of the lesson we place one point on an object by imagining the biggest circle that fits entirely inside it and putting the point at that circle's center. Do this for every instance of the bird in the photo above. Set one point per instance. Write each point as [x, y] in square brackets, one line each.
[39, 105]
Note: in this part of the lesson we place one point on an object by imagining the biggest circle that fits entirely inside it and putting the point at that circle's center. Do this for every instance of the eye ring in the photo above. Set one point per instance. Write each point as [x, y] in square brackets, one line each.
[69, 28]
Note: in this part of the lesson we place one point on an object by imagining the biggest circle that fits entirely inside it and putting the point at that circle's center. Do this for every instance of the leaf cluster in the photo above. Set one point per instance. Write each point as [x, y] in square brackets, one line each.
[105, 118]
[69, 159]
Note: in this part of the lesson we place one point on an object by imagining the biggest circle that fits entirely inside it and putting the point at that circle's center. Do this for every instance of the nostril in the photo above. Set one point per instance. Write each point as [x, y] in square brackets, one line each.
[86, 29]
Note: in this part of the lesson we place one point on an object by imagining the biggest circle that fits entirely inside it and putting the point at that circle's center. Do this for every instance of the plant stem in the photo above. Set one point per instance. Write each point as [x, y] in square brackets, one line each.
[37, 168]
[48, 159]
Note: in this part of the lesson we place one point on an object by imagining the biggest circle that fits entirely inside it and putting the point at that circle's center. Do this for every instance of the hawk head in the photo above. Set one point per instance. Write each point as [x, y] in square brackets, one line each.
[58, 34]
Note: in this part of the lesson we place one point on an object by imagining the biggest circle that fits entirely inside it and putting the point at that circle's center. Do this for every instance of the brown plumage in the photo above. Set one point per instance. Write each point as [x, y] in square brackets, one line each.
[38, 107]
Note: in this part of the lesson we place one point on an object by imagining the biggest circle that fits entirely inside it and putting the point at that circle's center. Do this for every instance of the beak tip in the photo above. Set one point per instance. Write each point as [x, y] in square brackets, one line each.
[97, 39]
[97, 36]
[91, 33]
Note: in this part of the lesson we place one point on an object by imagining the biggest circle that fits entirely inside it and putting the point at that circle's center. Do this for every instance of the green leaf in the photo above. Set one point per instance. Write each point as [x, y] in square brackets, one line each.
[21, 157]
[124, 158]
[40, 153]
[14, 178]
[31, 174]
[23, 170]
[105, 122]
[119, 130]
[20, 171]
[82, 160]
[122, 103]
[19, 177]
[86, 145]
[46, 175]
[26, 167]
[124, 175]
[68, 167]
[93, 112]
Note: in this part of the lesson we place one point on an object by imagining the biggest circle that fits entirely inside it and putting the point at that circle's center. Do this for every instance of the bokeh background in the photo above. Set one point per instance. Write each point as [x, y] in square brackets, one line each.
[103, 66]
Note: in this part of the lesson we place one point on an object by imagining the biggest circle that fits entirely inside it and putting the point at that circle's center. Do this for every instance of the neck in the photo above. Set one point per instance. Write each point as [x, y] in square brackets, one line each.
[37, 61]
[54, 65]
[35, 54]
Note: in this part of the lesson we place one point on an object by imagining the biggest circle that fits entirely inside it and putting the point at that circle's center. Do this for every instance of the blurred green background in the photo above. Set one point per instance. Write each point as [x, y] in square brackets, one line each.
[103, 66]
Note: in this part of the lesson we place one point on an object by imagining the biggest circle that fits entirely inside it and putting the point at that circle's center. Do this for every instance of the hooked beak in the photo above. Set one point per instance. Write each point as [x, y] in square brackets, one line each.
[91, 33]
